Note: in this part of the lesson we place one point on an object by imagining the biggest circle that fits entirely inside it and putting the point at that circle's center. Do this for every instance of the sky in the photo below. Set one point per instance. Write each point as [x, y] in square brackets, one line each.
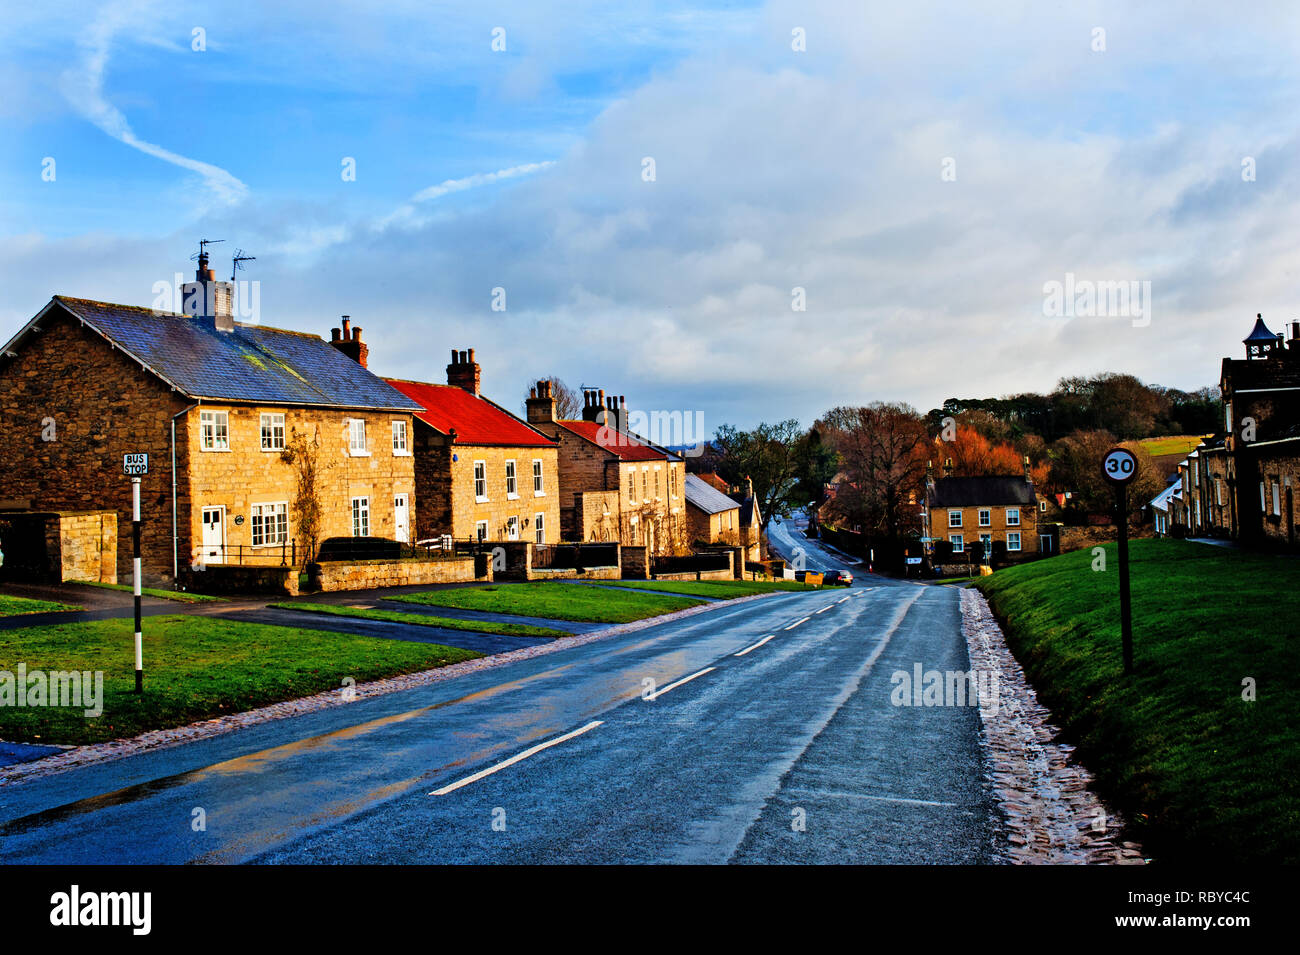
[739, 211]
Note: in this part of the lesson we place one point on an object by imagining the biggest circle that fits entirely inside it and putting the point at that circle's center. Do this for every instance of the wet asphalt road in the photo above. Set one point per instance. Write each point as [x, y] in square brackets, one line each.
[789, 751]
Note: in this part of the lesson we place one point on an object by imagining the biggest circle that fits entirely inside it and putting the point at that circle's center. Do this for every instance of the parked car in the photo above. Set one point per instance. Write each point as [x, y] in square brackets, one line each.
[838, 578]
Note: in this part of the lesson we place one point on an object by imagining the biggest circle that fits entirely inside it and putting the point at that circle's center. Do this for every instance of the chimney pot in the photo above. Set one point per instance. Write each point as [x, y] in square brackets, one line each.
[464, 372]
[347, 328]
[348, 340]
[334, 335]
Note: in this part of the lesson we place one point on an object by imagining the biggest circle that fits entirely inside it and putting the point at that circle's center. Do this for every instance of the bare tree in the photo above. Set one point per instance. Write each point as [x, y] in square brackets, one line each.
[568, 403]
[882, 448]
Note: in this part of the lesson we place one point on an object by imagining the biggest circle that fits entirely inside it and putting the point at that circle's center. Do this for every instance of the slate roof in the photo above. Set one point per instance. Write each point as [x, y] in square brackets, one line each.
[628, 447]
[477, 421]
[252, 363]
[1161, 501]
[703, 496]
[980, 491]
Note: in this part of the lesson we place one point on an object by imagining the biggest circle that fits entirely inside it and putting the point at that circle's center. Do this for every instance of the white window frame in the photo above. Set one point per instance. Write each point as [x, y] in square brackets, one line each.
[1013, 517]
[985, 517]
[402, 447]
[539, 527]
[1013, 540]
[210, 422]
[539, 479]
[672, 482]
[360, 516]
[271, 421]
[958, 543]
[512, 479]
[480, 481]
[645, 484]
[281, 535]
[512, 527]
[480, 530]
[954, 522]
[1277, 499]
[353, 433]
[658, 496]
[1042, 506]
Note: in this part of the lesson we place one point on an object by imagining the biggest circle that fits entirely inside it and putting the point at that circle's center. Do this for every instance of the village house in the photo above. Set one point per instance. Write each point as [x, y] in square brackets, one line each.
[998, 511]
[480, 472]
[1260, 461]
[614, 486]
[712, 516]
[214, 403]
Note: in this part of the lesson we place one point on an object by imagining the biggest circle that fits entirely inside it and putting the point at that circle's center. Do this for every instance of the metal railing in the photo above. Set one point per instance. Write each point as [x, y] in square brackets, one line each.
[284, 554]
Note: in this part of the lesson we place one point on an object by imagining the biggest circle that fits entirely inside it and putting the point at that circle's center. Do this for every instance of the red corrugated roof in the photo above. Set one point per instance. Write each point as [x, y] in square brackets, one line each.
[476, 420]
[627, 447]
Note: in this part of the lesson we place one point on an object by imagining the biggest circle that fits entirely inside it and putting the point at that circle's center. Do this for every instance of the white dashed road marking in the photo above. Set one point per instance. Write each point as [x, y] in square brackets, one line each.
[755, 646]
[514, 759]
[686, 679]
[797, 622]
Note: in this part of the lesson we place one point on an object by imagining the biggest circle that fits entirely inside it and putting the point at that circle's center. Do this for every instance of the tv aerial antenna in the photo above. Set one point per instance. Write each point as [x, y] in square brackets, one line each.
[202, 254]
[238, 259]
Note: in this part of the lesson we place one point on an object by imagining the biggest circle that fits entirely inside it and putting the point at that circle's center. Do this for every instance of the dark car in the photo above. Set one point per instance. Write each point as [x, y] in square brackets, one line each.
[358, 548]
[837, 578]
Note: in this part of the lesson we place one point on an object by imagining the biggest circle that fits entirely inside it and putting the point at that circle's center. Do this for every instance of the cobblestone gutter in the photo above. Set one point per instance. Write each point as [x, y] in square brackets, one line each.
[75, 757]
[1051, 813]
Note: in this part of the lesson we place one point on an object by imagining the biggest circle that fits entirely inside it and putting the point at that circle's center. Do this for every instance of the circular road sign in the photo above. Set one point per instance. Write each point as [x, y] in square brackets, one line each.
[1119, 466]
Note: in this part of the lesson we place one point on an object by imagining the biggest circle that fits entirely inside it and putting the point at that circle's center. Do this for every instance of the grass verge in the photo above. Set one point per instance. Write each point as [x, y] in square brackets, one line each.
[425, 620]
[181, 596]
[1202, 773]
[557, 601]
[17, 606]
[194, 668]
[718, 589]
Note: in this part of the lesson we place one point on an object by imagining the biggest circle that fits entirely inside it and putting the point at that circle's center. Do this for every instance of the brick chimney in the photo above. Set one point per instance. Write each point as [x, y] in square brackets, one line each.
[464, 372]
[541, 404]
[348, 340]
[207, 299]
[1029, 474]
[593, 406]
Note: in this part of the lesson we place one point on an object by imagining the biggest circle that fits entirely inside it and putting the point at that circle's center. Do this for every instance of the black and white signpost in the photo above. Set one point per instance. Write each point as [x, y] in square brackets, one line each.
[1119, 467]
[135, 466]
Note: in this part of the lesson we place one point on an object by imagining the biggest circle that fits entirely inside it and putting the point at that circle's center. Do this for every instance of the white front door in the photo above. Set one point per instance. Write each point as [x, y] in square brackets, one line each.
[214, 534]
[402, 518]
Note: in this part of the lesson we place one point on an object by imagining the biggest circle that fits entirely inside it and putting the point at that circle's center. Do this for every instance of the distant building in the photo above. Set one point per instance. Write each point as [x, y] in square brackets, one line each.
[997, 511]
[712, 516]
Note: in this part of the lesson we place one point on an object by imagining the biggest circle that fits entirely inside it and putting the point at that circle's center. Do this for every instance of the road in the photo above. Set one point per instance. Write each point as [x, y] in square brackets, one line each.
[755, 732]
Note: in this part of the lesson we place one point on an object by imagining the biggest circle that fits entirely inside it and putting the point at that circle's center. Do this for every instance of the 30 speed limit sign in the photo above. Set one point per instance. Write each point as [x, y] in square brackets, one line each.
[1119, 465]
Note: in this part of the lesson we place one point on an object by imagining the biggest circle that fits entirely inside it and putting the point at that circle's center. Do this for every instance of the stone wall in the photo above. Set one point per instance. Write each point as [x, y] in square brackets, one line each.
[362, 575]
[1093, 535]
[634, 562]
[53, 547]
[88, 546]
[280, 581]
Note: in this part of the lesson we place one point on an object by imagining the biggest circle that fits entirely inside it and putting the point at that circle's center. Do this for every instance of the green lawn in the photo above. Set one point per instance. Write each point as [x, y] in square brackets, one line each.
[719, 589]
[1171, 444]
[195, 668]
[557, 601]
[425, 620]
[183, 596]
[1203, 775]
[14, 606]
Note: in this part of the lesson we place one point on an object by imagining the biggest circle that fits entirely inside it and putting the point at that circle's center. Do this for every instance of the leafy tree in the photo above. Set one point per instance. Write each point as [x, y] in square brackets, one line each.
[767, 457]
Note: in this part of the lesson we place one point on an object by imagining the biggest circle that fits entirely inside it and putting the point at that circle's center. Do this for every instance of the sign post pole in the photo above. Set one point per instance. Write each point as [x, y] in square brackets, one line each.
[1119, 467]
[134, 466]
[135, 553]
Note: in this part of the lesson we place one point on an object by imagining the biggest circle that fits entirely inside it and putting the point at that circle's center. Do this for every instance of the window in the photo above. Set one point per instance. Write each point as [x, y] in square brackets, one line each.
[1277, 500]
[954, 518]
[1227, 417]
[357, 436]
[480, 481]
[1042, 506]
[1013, 517]
[539, 489]
[512, 528]
[272, 432]
[645, 483]
[1262, 505]
[657, 495]
[957, 544]
[361, 517]
[986, 517]
[400, 445]
[539, 527]
[1218, 492]
[631, 484]
[672, 481]
[1013, 540]
[270, 523]
[214, 431]
[480, 530]
[512, 480]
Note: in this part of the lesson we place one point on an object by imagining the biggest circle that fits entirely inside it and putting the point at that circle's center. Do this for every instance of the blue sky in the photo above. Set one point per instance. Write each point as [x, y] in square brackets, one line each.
[775, 169]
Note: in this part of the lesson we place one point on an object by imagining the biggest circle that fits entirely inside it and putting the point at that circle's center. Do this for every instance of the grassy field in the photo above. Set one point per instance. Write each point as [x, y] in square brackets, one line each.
[426, 620]
[1183, 444]
[15, 606]
[1202, 774]
[719, 589]
[181, 596]
[195, 668]
[557, 601]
